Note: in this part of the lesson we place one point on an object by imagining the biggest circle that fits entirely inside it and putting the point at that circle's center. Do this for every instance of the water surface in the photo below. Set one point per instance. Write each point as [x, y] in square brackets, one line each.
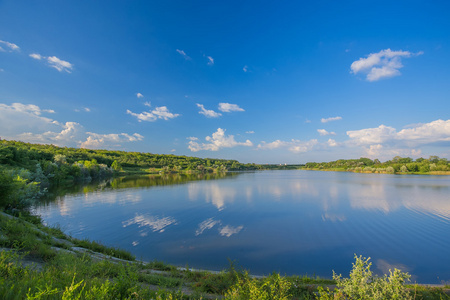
[293, 222]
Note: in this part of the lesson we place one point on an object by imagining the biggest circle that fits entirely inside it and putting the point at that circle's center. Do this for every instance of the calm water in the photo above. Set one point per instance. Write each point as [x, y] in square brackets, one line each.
[293, 222]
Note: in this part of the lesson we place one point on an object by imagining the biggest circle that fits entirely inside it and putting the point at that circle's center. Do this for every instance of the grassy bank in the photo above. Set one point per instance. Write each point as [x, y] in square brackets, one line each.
[39, 262]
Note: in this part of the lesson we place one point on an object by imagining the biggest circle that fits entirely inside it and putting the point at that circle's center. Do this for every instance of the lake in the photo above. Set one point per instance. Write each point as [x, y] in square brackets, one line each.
[292, 222]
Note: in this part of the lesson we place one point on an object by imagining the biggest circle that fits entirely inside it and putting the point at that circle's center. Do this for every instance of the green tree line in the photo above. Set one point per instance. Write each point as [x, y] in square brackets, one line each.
[26, 169]
[431, 165]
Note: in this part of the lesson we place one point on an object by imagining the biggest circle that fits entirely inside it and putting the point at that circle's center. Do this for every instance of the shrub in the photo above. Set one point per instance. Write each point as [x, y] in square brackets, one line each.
[390, 170]
[362, 284]
[424, 168]
[358, 169]
[272, 287]
[369, 169]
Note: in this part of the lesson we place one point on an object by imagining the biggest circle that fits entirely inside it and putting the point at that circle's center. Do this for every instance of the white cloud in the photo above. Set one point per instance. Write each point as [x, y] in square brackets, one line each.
[383, 64]
[26, 108]
[245, 68]
[26, 122]
[73, 134]
[273, 145]
[435, 131]
[18, 118]
[210, 61]
[143, 116]
[208, 112]
[60, 65]
[374, 150]
[323, 132]
[139, 95]
[161, 112]
[86, 109]
[70, 131]
[217, 141]
[295, 146]
[11, 46]
[96, 140]
[326, 120]
[380, 151]
[250, 132]
[386, 140]
[192, 138]
[228, 107]
[36, 56]
[332, 143]
[301, 147]
[377, 135]
[55, 62]
[182, 53]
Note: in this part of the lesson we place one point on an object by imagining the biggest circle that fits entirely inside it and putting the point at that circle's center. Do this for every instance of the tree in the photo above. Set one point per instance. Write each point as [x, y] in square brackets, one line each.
[116, 166]
[390, 170]
[60, 159]
[434, 159]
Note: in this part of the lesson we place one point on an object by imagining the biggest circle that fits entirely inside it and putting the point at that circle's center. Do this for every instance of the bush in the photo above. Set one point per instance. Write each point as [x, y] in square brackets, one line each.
[390, 170]
[362, 284]
[272, 287]
[17, 191]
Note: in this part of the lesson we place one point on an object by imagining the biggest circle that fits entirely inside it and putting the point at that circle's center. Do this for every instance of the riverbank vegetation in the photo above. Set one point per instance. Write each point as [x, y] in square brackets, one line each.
[62, 163]
[433, 165]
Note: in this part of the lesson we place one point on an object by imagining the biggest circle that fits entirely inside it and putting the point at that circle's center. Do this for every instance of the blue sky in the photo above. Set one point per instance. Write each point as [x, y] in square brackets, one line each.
[256, 81]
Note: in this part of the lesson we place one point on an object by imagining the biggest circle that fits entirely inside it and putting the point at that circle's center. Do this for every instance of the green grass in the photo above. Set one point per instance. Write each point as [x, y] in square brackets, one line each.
[98, 247]
[161, 280]
[159, 265]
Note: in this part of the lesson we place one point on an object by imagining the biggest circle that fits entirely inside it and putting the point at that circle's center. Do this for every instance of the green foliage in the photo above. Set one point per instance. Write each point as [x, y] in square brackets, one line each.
[17, 190]
[215, 283]
[58, 165]
[390, 170]
[272, 287]
[161, 281]
[363, 284]
[98, 247]
[116, 166]
[398, 164]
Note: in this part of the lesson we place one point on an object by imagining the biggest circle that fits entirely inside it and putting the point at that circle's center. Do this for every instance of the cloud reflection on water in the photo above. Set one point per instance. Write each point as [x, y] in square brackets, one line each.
[205, 225]
[360, 191]
[230, 230]
[213, 193]
[226, 230]
[157, 224]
